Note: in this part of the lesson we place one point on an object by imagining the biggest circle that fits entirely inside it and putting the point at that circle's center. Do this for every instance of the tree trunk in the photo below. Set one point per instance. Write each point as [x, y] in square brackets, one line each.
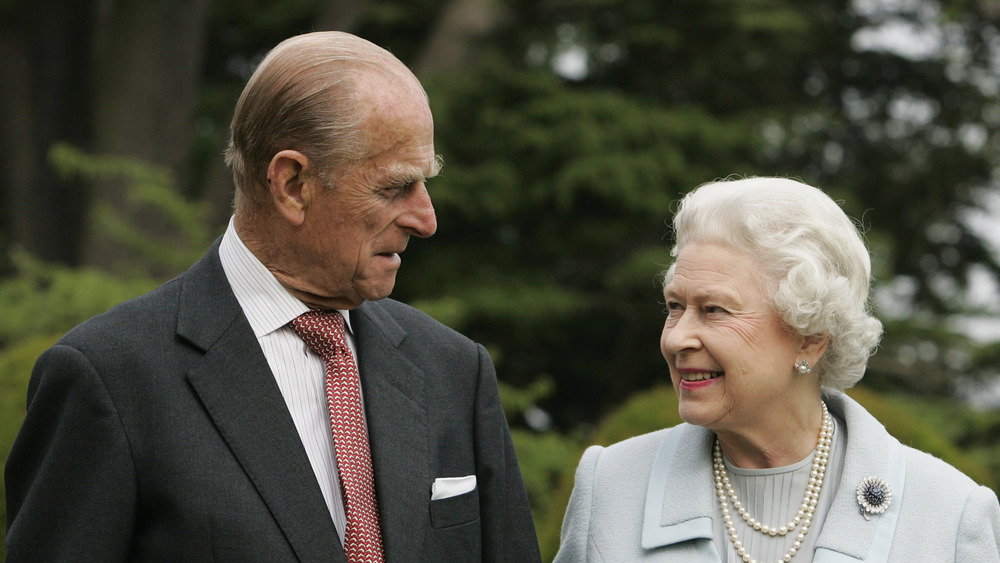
[148, 75]
[45, 55]
[453, 43]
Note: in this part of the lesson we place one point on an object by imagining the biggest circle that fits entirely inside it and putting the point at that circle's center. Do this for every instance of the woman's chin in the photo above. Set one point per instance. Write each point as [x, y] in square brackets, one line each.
[698, 414]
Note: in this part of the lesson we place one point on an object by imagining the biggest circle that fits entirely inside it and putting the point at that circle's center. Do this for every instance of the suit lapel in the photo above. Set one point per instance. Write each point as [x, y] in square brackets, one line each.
[397, 426]
[238, 391]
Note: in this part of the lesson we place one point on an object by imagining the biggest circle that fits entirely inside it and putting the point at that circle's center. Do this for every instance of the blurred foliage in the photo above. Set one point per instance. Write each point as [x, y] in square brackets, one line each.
[151, 189]
[925, 358]
[560, 196]
[50, 299]
[42, 298]
[645, 101]
[542, 455]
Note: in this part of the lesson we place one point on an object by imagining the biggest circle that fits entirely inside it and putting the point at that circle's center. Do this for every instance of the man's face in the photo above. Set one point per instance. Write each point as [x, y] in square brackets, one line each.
[356, 229]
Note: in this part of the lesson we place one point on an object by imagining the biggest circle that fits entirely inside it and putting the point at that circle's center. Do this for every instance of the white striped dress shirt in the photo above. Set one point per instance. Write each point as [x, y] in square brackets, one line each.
[299, 372]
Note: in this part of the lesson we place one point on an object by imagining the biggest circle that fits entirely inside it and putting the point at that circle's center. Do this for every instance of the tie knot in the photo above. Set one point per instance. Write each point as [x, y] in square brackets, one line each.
[323, 331]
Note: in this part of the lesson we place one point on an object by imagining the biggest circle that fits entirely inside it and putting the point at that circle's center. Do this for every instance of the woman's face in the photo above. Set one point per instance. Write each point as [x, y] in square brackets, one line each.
[731, 358]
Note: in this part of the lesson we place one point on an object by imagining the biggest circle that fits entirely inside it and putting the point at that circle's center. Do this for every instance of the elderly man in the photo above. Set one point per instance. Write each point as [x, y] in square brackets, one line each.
[269, 404]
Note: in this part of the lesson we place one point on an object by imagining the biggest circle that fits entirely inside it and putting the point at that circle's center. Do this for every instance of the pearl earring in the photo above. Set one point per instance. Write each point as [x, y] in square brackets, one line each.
[803, 367]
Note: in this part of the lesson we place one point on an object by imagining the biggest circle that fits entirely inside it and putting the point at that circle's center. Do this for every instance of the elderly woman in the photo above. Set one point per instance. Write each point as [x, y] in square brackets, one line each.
[767, 323]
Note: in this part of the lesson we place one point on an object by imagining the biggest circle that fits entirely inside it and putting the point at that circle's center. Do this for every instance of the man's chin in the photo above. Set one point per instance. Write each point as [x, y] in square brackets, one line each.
[376, 291]
[350, 297]
[341, 300]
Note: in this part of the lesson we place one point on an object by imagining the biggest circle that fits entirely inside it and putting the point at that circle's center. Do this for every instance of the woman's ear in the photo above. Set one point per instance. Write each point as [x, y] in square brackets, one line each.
[813, 348]
[291, 185]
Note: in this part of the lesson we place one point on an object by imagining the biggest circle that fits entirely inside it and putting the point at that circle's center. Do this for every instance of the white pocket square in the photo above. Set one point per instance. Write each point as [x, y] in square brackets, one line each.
[447, 487]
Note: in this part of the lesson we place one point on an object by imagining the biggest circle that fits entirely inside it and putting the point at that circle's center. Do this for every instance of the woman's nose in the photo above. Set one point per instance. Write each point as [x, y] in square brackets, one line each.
[679, 335]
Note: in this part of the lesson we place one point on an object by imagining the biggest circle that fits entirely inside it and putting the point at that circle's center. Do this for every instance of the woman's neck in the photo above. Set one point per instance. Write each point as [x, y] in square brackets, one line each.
[773, 443]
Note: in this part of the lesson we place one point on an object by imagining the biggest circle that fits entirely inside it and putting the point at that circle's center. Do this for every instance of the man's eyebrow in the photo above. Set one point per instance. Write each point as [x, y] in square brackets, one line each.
[405, 175]
[438, 165]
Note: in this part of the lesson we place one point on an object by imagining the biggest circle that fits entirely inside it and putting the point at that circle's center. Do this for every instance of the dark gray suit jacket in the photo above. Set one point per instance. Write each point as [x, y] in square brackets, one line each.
[156, 432]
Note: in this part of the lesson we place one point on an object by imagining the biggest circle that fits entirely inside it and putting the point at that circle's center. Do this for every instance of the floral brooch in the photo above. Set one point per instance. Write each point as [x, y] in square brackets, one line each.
[874, 496]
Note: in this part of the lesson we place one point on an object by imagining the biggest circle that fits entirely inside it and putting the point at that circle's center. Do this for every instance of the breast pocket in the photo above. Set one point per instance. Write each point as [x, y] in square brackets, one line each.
[455, 511]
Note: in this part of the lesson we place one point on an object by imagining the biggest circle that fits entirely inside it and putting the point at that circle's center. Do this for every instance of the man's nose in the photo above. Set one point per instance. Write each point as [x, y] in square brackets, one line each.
[420, 219]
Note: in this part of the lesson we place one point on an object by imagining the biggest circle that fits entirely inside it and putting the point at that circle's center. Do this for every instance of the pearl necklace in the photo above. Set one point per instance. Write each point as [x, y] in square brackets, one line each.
[725, 491]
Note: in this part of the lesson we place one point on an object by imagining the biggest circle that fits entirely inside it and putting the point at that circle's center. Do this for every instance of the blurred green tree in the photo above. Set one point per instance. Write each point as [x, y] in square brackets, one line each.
[585, 119]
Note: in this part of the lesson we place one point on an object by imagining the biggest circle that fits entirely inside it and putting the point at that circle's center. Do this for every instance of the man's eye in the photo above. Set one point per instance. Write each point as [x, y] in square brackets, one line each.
[714, 309]
[397, 190]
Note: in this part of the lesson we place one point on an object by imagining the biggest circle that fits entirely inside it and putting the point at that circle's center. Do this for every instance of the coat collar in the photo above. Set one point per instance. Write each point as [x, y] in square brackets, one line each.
[680, 495]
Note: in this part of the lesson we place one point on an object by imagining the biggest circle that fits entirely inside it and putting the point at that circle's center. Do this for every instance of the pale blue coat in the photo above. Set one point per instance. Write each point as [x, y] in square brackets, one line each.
[651, 498]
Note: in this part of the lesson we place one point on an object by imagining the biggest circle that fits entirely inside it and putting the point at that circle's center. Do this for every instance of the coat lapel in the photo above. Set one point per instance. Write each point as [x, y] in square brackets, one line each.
[678, 508]
[397, 425]
[238, 391]
[847, 536]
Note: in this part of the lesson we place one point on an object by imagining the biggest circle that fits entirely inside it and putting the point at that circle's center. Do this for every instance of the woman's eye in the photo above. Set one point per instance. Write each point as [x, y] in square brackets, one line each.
[714, 309]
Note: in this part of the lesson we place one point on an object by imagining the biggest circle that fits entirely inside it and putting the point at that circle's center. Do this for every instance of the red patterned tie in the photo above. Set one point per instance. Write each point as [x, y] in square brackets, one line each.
[323, 331]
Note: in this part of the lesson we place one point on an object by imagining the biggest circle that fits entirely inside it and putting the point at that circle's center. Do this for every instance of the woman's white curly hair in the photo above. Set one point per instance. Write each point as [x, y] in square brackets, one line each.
[813, 262]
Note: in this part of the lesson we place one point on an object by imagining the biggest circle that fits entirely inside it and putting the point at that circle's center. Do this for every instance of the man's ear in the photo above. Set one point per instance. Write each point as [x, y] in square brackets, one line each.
[291, 185]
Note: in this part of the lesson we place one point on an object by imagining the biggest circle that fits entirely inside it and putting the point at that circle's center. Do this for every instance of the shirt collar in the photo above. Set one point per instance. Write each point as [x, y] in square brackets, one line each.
[267, 304]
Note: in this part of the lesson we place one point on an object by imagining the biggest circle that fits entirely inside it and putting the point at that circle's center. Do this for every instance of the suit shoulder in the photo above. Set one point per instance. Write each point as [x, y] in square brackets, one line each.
[140, 314]
[923, 466]
[154, 314]
[633, 452]
[414, 320]
[931, 482]
[616, 477]
[642, 441]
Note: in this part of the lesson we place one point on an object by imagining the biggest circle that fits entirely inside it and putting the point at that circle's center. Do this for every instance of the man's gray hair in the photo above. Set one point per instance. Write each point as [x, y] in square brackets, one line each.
[304, 96]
